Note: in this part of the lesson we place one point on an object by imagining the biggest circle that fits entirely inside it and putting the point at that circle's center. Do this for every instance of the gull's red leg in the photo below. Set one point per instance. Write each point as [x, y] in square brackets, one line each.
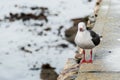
[83, 59]
[90, 60]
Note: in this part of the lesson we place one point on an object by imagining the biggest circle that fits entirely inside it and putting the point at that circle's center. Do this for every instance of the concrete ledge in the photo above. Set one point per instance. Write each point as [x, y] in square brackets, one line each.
[70, 70]
[99, 76]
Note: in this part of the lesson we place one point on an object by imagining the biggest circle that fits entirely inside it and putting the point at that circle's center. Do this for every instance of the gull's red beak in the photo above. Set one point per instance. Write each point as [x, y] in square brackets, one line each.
[81, 29]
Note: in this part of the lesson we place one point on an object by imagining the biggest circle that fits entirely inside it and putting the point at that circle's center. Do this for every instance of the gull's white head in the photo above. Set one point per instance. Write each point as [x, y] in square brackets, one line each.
[81, 26]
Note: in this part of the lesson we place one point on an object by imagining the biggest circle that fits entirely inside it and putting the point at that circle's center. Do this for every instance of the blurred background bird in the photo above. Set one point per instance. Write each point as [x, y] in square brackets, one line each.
[48, 72]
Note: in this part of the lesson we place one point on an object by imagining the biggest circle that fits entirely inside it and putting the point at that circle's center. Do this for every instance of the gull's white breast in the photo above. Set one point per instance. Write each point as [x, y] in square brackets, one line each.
[84, 40]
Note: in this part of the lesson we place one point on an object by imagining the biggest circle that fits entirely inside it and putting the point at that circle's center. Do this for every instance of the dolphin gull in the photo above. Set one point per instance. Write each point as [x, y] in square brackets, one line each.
[86, 39]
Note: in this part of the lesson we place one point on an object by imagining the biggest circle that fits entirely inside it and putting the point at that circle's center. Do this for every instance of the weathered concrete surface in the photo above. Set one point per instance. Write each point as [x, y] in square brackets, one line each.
[70, 70]
[106, 58]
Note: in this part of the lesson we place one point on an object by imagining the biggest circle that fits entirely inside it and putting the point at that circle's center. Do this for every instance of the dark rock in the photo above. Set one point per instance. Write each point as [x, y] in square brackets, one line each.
[41, 24]
[40, 33]
[22, 48]
[29, 45]
[55, 14]
[16, 5]
[37, 50]
[36, 24]
[45, 34]
[7, 53]
[109, 51]
[59, 30]
[13, 16]
[25, 50]
[47, 29]
[30, 30]
[35, 68]
[35, 44]
[56, 40]
[89, 0]
[34, 8]
[27, 16]
[43, 8]
[63, 45]
[42, 16]
[0, 20]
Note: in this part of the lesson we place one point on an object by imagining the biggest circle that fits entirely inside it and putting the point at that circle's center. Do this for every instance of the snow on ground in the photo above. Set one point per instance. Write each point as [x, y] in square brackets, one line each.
[16, 64]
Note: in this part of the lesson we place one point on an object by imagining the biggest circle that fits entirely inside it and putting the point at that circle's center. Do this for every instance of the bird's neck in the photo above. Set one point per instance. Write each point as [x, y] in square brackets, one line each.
[82, 32]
